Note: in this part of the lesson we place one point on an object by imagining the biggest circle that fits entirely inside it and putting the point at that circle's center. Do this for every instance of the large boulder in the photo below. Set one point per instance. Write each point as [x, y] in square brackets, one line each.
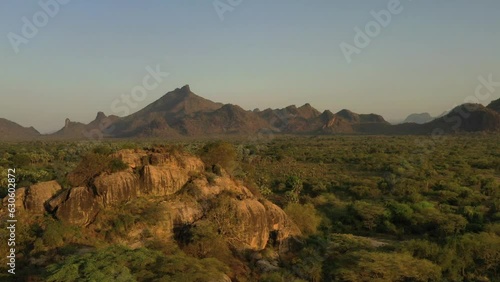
[117, 187]
[259, 223]
[163, 180]
[279, 223]
[178, 183]
[252, 226]
[255, 222]
[76, 206]
[167, 173]
[38, 194]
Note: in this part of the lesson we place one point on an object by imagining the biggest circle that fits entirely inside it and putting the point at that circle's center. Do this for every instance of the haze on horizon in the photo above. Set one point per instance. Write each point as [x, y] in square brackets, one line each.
[260, 54]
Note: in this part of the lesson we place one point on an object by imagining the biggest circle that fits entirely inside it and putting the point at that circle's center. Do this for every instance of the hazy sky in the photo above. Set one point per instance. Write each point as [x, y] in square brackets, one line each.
[261, 54]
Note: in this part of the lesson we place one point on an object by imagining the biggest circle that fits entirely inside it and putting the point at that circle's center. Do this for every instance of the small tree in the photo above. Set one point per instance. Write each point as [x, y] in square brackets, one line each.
[219, 153]
[91, 166]
[294, 185]
[305, 216]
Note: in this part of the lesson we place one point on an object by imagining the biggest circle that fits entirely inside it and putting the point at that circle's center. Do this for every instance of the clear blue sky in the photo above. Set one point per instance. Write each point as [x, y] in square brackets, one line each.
[263, 54]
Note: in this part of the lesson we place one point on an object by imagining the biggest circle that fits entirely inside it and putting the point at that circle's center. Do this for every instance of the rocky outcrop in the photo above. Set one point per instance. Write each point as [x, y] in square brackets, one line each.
[169, 174]
[176, 182]
[257, 222]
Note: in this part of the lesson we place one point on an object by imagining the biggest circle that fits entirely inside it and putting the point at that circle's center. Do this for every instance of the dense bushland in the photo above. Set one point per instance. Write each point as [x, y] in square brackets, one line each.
[370, 208]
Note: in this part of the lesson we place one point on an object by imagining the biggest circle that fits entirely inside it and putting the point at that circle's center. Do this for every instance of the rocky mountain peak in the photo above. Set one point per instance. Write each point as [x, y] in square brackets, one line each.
[348, 115]
[186, 88]
[100, 116]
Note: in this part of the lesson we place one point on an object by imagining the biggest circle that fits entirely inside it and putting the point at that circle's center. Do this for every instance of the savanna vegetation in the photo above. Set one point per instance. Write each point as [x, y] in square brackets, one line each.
[370, 208]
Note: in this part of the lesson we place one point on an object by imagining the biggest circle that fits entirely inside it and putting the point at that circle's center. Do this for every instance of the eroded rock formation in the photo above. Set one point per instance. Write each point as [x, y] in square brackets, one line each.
[177, 182]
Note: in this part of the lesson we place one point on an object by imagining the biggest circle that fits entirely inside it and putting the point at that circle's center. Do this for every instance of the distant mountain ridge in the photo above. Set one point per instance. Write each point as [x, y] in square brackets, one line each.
[183, 113]
[12, 131]
[77, 130]
[419, 118]
[469, 118]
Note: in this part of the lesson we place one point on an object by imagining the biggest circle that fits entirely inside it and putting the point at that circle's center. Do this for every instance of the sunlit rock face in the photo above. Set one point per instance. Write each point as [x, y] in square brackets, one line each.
[79, 206]
[176, 182]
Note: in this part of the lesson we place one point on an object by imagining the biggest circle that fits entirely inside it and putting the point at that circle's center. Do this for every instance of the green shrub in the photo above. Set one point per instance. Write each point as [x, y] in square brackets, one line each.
[378, 266]
[91, 166]
[117, 263]
[116, 165]
[219, 153]
[305, 216]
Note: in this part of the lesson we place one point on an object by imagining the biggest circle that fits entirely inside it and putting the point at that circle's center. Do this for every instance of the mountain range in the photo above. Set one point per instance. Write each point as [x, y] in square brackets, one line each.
[183, 113]
[422, 118]
[419, 118]
[12, 131]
